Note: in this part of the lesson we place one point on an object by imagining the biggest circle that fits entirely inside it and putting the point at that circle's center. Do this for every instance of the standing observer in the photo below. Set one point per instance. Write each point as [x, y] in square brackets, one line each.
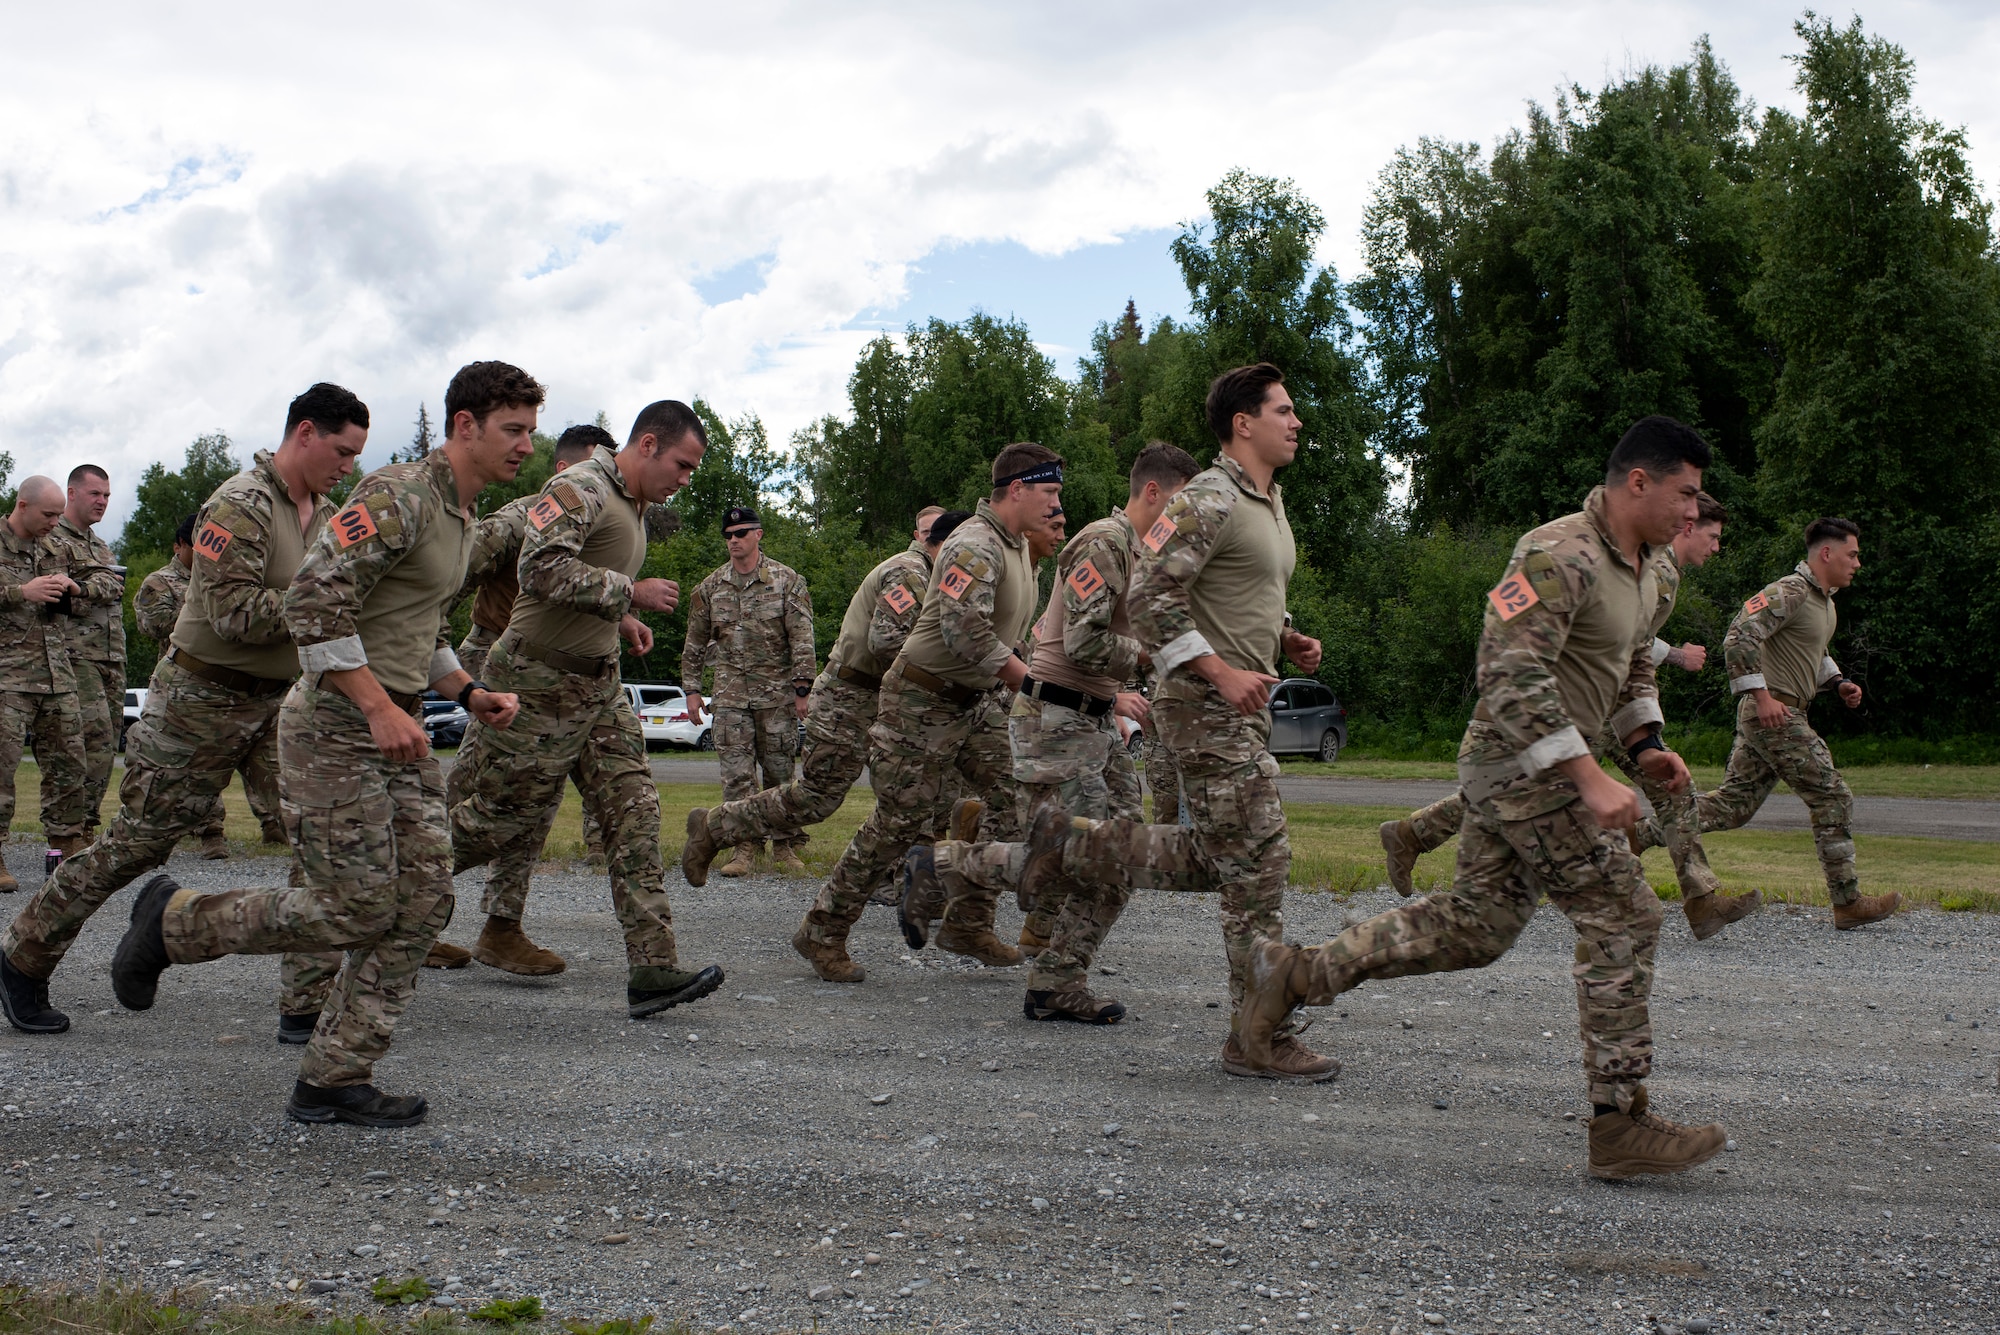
[37, 679]
[96, 625]
[751, 620]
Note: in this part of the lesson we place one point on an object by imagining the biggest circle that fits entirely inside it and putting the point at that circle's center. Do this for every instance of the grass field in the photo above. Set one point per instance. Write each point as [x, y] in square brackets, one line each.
[1335, 848]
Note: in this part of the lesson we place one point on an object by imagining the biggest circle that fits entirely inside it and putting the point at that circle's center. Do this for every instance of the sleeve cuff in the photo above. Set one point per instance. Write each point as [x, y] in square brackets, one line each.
[1184, 649]
[1749, 681]
[1660, 651]
[1638, 714]
[444, 662]
[341, 655]
[1552, 750]
[1828, 670]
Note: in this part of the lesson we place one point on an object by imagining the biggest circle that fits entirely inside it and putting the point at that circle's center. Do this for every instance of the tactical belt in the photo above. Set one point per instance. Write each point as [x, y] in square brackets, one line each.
[948, 691]
[1052, 694]
[409, 704]
[227, 678]
[1792, 701]
[557, 659]
[861, 679]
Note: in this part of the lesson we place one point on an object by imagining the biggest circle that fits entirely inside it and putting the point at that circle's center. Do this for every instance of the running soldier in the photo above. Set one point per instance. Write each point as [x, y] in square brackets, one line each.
[1673, 822]
[492, 578]
[368, 612]
[96, 630]
[1566, 651]
[580, 560]
[751, 620]
[213, 703]
[1068, 756]
[964, 648]
[839, 712]
[155, 608]
[1776, 652]
[37, 681]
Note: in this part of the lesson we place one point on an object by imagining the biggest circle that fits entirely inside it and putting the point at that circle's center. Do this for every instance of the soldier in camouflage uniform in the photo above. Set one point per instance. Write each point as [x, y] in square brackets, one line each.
[752, 621]
[369, 611]
[1163, 776]
[839, 712]
[492, 581]
[963, 651]
[1068, 757]
[580, 560]
[1565, 651]
[213, 704]
[1776, 653]
[1208, 603]
[96, 630]
[156, 607]
[37, 680]
[1673, 822]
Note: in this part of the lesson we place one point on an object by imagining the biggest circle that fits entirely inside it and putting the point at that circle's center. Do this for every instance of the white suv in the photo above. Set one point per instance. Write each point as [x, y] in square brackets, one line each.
[135, 705]
[662, 712]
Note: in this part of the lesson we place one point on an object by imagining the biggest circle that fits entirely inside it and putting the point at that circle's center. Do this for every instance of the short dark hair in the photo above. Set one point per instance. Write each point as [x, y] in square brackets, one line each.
[1019, 458]
[576, 443]
[942, 526]
[184, 531]
[1162, 463]
[1660, 445]
[1830, 529]
[484, 388]
[1241, 390]
[329, 408]
[667, 421]
[82, 471]
[1708, 510]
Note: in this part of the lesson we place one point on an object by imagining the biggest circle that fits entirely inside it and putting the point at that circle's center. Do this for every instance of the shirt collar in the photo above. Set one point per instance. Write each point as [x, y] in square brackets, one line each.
[1802, 568]
[1595, 509]
[437, 467]
[607, 463]
[985, 511]
[1241, 477]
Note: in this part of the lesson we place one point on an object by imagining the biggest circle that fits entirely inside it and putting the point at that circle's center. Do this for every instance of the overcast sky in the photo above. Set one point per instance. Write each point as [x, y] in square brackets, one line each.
[205, 208]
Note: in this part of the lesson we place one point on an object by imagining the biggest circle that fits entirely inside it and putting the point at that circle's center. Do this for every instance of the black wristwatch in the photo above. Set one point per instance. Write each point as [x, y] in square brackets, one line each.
[802, 690]
[1650, 742]
[465, 696]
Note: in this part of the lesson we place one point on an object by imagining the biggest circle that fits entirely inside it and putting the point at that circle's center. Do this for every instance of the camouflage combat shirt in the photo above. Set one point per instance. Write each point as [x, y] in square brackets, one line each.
[97, 609]
[157, 604]
[1779, 639]
[584, 544]
[492, 574]
[882, 611]
[1212, 574]
[1084, 639]
[34, 648]
[979, 606]
[755, 630]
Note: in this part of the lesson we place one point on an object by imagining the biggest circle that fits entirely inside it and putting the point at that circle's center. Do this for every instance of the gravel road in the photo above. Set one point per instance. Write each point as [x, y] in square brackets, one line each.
[911, 1154]
[1929, 818]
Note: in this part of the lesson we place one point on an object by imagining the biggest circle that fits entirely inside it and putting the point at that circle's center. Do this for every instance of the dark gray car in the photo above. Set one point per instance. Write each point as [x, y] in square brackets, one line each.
[1307, 719]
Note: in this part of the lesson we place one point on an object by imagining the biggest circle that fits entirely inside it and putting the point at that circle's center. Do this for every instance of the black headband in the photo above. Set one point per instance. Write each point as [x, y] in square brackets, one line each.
[1042, 472]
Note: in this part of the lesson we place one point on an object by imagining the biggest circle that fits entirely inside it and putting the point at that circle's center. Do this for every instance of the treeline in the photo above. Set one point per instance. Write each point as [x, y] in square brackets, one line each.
[1818, 292]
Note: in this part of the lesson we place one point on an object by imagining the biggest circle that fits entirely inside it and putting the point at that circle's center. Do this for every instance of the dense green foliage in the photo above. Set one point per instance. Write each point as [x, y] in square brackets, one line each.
[1818, 292]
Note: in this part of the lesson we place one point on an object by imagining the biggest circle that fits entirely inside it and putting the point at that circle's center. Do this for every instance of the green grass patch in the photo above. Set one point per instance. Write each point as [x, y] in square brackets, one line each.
[405, 1292]
[509, 1312]
[117, 1309]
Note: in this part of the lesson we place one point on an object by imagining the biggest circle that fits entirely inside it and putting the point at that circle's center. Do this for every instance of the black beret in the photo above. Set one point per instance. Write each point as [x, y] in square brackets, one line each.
[736, 516]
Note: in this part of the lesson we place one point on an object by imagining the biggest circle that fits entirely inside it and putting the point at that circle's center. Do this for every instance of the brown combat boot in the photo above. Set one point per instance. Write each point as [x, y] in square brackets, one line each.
[1709, 914]
[1032, 943]
[1290, 1060]
[742, 864]
[965, 820]
[214, 847]
[73, 844]
[1273, 987]
[1075, 1003]
[699, 850]
[1625, 1145]
[8, 885]
[829, 959]
[977, 943]
[503, 945]
[274, 833]
[1399, 841]
[444, 955]
[785, 858]
[1042, 874]
[1867, 909]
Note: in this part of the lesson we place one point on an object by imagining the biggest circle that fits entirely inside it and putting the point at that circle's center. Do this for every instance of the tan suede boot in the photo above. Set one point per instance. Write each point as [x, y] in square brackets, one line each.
[699, 850]
[1867, 909]
[742, 864]
[214, 847]
[444, 955]
[965, 820]
[1709, 914]
[979, 943]
[8, 885]
[1399, 841]
[1031, 943]
[785, 858]
[1290, 1060]
[503, 945]
[1273, 986]
[1625, 1145]
[829, 959]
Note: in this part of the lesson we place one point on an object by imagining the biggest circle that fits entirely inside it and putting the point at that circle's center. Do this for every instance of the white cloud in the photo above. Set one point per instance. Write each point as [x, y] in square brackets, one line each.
[201, 215]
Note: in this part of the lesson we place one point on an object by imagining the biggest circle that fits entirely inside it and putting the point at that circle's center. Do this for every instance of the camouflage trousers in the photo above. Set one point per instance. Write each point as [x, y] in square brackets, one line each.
[1163, 777]
[750, 740]
[1235, 845]
[838, 718]
[922, 750]
[1672, 823]
[190, 737]
[100, 698]
[569, 725]
[1073, 763]
[57, 727]
[1795, 754]
[370, 834]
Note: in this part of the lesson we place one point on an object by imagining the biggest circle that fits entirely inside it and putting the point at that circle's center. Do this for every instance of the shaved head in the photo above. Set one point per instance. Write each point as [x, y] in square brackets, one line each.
[37, 507]
[37, 489]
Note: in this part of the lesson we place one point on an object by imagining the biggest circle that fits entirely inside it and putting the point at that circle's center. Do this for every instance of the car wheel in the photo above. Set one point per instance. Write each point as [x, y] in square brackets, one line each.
[705, 742]
[1329, 746]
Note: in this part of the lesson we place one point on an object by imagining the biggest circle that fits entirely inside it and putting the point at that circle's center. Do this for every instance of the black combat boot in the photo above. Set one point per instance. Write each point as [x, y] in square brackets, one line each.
[27, 1002]
[142, 955]
[363, 1105]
